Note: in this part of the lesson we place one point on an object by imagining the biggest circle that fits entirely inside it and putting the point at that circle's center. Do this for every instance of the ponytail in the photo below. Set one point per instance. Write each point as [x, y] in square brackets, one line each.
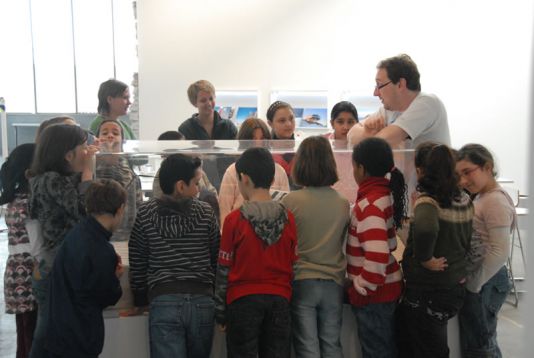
[439, 179]
[13, 172]
[398, 190]
[376, 156]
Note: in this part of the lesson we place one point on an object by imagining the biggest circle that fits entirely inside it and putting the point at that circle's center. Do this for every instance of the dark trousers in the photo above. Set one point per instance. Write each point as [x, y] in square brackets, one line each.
[258, 325]
[422, 321]
[25, 326]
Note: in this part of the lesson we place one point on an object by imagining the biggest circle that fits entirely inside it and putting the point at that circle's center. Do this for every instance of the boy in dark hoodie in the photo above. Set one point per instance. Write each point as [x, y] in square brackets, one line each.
[173, 257]
[258, 250]
[85, 276]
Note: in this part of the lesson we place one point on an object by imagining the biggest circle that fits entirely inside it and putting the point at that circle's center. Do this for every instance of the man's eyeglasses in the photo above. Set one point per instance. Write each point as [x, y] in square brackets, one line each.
[467, 172]
[378, 87]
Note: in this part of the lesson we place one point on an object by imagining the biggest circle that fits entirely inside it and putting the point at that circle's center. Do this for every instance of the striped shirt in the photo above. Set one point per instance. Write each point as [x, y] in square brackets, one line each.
[371, 241]
[173, 244]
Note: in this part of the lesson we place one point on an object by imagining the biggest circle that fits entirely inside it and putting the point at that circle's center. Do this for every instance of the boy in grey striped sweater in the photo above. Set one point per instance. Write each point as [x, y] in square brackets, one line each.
[173, 252]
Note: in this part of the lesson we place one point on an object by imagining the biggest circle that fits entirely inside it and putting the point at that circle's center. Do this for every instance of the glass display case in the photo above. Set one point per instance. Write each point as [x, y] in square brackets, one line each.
[137, 166]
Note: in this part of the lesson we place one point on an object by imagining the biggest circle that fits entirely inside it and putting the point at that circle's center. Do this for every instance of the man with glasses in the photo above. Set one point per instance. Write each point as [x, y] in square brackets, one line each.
[407, 116]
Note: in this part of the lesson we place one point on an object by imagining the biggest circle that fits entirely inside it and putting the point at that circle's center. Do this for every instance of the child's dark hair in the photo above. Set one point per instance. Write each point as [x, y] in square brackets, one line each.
[437, 177]
[52, 147]
[50, 122]
[13, 172]
[177, 167]
[275, 106]
[258, 164]
[109, 121]
[376, 157]
[314, 163]
[478, 155]
[104, 196]
[343, 106]
[171, 135]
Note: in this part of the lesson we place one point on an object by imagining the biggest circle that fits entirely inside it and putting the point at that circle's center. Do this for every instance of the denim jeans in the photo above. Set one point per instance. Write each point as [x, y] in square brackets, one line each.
[181, 325]
[316, 314]
[41, 291]
[478, 317]
[422, 321]
[376, 329]
[259, 325]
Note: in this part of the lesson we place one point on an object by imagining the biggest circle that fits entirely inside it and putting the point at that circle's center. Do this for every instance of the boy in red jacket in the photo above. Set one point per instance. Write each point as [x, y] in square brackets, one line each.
[255, 268]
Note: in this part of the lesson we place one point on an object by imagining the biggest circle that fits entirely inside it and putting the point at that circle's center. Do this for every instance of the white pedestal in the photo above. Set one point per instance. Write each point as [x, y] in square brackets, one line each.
[128, 337]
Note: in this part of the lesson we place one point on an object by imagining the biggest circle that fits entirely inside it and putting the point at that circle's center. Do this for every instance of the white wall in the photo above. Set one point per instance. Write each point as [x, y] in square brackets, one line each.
[474, 54]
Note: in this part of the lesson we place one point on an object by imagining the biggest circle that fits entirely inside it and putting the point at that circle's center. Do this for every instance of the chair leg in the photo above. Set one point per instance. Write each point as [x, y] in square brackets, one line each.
[520, 242]
[513, 291]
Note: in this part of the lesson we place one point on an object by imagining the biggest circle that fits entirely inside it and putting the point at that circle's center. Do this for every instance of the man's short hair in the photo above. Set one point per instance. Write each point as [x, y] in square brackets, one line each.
[258, 164]
[402, 66]
[177, 167]
[198, 86]
[104, 196]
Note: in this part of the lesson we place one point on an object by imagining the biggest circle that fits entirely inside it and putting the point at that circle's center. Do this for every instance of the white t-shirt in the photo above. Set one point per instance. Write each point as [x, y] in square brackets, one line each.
[424, 120]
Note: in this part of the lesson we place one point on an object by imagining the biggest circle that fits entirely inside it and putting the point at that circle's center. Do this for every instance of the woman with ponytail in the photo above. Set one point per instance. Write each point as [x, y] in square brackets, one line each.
[434, 262]
[374, 273]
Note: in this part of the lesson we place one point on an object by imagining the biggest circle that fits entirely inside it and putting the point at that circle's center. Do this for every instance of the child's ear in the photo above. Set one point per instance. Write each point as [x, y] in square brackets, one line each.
[69, 156]
[179, 187]
[120, 211]
[245, 179]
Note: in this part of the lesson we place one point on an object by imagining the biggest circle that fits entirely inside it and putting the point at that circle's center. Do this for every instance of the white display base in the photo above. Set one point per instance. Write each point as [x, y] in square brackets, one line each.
[128, 337]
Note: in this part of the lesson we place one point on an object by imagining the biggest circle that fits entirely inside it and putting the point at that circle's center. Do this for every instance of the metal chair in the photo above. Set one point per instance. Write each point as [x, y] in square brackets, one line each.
[516, 242]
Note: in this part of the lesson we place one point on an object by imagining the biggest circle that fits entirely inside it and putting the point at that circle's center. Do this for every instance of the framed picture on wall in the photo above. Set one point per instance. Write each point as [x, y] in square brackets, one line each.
[225, 112]
[237, 105]
[314, 118]
[309, 108]
[244, 113]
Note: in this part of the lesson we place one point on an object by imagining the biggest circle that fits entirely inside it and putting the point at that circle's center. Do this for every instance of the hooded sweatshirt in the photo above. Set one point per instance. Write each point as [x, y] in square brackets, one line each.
[173, 249]
[258, 250]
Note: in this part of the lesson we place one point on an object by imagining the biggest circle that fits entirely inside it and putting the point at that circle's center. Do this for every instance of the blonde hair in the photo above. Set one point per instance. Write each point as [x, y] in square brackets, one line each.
[195, 88]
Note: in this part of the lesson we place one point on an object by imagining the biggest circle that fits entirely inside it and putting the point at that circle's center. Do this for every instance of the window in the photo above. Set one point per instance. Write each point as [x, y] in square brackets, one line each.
[77, 44]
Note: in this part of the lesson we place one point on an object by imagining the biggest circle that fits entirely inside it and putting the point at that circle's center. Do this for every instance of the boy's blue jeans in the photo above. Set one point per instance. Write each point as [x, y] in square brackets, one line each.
[181, 325]
[478, 317]
[316, 314]
[376, 329]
